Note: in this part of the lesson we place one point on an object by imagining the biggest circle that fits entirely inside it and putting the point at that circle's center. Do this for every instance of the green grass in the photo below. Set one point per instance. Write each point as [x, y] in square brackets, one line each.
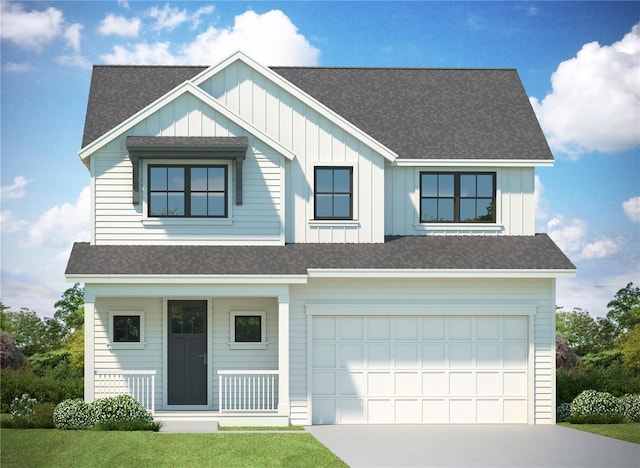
[628, 432]
[260, 428]
[55, 448]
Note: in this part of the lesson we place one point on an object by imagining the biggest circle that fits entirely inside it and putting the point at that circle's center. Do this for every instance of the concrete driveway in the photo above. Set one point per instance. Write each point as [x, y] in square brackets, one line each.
[512, 446]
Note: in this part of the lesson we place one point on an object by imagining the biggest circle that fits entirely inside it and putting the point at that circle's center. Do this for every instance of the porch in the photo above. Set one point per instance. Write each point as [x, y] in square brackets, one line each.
[245, 397]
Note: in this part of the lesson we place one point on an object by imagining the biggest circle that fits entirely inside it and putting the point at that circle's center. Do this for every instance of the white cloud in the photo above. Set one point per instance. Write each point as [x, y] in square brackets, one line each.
[202, 11]
[271, 38]
[75, 60]
[601, 248]
[59, 226]
[29, 29]
[14, 67]
[72, 35]
[119, 26]
[595, 102]
[9, 222]
[571, 237]
[167, 18]
[15, 190]
[142, 54]
[631, 208]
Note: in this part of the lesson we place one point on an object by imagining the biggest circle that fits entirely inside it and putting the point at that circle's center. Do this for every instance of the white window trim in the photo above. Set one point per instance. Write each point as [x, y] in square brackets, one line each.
[263, 331]
[129, 345]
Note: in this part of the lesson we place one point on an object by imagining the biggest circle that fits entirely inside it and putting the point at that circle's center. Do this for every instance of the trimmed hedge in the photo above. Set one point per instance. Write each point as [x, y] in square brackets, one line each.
[593, 407]
[74, 414]
[616, 380]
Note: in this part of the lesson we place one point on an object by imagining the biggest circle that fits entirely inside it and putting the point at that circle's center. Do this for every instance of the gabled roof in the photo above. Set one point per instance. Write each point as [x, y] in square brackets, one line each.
[417, 113]
[475, 254]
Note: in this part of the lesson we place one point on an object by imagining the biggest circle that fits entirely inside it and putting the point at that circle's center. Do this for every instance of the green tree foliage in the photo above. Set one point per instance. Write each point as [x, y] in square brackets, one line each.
[580, 330]
[630, 347]
[32, 334]
[74, 346]
[624, 309]
[70, 309]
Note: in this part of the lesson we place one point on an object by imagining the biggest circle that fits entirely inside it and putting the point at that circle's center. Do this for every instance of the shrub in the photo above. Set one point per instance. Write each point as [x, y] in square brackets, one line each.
[120, 408]
[563, 412]
[596, 408]
[128, 426]
[16, 383]
[74, 414]
[22, 408]
[631, 407]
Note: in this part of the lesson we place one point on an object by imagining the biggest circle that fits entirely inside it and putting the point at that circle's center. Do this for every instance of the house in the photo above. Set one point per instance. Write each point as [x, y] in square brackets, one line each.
[293, 245]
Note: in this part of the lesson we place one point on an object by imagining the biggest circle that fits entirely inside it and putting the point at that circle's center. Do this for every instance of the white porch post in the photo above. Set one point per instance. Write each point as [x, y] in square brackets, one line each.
[283, 355]
[89, 351]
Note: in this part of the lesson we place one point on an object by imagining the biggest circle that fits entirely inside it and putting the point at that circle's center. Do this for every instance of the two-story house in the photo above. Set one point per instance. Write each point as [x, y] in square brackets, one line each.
[295, 245]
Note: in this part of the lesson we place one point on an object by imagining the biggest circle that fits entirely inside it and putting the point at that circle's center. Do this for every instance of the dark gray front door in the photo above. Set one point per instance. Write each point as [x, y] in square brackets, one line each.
[187, 373]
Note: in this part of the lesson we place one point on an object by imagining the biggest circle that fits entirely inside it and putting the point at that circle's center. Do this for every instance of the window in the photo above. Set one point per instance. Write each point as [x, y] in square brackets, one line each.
[333, 193]
[248, 330]
[457, 197]
[188, 191]
[126, 329]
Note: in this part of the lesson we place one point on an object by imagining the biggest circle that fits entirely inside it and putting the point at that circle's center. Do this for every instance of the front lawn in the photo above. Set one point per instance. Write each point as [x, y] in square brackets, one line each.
[627, 432]
[56, 448]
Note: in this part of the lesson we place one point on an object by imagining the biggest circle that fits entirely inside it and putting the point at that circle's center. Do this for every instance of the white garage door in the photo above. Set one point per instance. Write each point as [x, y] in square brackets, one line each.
[419, 369]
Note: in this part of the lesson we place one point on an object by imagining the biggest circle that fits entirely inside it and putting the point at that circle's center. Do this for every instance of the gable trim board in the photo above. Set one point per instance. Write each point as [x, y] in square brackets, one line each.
[186, 87]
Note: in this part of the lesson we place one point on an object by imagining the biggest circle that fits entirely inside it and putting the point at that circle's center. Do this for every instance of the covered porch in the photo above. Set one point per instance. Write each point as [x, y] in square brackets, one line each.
[245, 381]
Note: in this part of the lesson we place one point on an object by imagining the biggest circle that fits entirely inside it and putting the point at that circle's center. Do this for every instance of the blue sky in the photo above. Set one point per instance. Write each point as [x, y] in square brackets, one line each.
[579, 63]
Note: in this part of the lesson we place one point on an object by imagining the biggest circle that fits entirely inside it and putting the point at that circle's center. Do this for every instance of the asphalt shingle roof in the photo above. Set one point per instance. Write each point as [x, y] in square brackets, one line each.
[418, 113]
[407, 253]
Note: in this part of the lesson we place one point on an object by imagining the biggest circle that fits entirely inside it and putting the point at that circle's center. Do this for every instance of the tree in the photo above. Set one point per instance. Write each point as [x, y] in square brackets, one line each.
[70, 309]
[11, 357]
[566, 357]
[624, 309]
[32, 334]
[630, 347]
[580, 330]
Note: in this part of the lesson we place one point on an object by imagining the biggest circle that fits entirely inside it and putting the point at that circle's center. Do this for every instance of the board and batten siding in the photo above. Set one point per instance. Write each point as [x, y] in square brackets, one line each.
[515, 200]
[315, 140]
[434, 295]
[258, 220]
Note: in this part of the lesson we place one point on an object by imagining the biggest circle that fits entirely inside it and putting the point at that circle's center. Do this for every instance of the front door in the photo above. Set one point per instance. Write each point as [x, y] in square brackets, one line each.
[187, 372]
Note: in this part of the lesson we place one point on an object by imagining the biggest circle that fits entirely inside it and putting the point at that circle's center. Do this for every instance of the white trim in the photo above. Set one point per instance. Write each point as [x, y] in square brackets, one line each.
[393, 308]
[354, 223]
[185, 87]
[299, 94]
[437, 273]
[187, 279]
[263, 330]
[456, 227]
[474, 162]
[127, 345]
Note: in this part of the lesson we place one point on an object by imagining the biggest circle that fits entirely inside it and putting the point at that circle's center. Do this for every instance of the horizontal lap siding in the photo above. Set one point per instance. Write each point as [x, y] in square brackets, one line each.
[257, 220]
[225, 358]
[314, 140]
[515, 202]
[430, 293]
[148, 358]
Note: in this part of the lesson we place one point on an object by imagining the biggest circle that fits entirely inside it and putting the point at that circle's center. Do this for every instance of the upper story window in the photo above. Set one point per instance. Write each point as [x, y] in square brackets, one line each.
[457, 197]
[333, 193]
[188, 191]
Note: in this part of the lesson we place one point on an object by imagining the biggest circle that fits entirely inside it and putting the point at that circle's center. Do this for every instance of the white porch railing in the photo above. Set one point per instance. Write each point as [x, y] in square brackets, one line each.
[140, 384]
[247, 390]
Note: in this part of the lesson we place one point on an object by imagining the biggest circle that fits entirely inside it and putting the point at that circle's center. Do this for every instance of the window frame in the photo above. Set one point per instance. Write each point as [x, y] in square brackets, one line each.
[126, 344]
[350, 216]
[457, 197]
[262, 344]
[187, 190]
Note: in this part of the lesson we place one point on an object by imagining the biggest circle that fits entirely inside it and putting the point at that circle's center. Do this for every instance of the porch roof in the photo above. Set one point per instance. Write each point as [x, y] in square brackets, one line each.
[473, 253]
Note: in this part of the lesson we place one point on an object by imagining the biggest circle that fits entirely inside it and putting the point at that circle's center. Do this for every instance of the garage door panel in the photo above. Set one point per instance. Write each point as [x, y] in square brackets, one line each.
[432, 369]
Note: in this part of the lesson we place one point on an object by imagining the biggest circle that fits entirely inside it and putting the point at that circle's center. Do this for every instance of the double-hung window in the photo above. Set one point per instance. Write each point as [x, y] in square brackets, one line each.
[188, 191]
[333, 197]
[457, 197]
